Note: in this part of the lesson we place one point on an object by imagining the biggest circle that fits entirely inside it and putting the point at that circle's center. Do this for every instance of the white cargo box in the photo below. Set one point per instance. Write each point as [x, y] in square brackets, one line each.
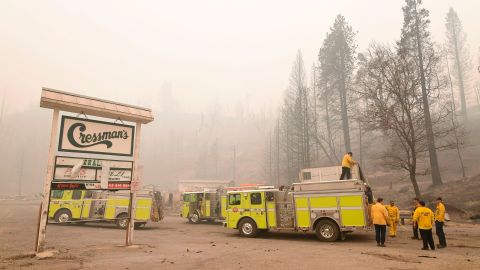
[326, 173]
[338, 185]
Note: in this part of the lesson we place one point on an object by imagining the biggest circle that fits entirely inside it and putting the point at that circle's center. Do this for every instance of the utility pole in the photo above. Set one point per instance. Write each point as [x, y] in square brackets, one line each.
[360, 142]
[234, 162]
[20, 176]
[278, 151]
[2, 109]
[270, 160]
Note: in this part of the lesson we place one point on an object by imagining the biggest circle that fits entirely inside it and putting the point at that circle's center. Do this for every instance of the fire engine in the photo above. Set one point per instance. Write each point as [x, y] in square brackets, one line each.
[330, 209]
[209, 204]
[81, 206]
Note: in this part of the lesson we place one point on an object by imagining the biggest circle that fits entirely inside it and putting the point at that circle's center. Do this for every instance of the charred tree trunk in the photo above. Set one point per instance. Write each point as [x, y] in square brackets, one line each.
[343, 100]
[436, 177]
[460, 76]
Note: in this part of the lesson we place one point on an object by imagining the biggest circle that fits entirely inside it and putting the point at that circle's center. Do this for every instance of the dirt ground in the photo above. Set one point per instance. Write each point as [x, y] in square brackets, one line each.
[175, 244]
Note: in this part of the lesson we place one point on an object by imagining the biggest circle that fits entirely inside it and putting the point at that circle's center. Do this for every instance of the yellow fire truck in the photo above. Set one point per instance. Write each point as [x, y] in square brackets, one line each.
[206, 205]
[80, 206]
[209, 205]
[328, 208]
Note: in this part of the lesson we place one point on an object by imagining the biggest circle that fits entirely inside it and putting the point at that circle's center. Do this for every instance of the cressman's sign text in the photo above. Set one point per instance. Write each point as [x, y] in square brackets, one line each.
[96, 137]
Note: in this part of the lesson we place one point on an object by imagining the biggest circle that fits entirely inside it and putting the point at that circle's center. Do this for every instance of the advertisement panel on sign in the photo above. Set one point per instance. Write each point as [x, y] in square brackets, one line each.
[95, 137]
[87, 173]
[82, 186]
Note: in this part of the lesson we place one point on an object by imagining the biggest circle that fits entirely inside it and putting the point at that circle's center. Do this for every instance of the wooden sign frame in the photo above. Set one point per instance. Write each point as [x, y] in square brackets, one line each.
[74, 103]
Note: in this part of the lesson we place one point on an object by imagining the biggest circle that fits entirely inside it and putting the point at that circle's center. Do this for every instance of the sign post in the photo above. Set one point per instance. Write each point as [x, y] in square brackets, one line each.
[42, 222]
[91, 137]
[134, 188]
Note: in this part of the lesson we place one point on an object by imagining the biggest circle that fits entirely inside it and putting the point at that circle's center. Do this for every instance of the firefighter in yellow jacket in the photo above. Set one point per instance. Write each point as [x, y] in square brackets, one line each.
[347, 163]
[379, 218]
[424, 218]
[439, 222]
[394, 216]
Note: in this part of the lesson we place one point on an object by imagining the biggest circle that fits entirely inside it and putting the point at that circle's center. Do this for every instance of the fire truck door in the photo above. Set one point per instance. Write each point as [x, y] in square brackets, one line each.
[258, 209]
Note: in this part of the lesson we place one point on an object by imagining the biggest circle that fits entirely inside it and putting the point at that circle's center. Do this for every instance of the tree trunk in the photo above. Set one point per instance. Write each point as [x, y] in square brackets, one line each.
[306, 163]
[343, 100]
[460, 77]
[436, 177]
[413, 179]
[454, 121]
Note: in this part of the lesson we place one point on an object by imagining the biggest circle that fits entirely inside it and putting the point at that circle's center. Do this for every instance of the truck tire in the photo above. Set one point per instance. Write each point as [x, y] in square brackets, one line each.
[63, 216]
[122, 221]
[327, 231]
[248, 228]
[194, 218]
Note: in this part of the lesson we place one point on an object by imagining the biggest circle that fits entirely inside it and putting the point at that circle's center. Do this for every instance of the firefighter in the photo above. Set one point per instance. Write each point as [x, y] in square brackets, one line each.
[394, 216]
[347, 163]
[379, 218]
[414, 225]
[424, 218]
[439, 222]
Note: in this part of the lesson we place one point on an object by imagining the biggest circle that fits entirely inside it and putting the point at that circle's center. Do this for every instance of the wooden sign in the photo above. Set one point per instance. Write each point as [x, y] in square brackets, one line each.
[95, 137]
[89, 172]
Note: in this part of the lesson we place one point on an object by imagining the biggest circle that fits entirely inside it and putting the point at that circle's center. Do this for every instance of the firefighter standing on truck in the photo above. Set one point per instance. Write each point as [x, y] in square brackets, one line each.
[347, 163]
[394, 215]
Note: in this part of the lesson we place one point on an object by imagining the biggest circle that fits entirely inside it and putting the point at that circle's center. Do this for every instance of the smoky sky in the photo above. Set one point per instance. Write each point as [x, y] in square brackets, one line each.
[206, 52]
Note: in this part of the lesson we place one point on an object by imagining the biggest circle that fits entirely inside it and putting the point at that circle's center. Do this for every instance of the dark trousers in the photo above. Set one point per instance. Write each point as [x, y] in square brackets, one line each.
[427, 238]
[380, 231]
[440, 233]
[415, 231]
[345, 173]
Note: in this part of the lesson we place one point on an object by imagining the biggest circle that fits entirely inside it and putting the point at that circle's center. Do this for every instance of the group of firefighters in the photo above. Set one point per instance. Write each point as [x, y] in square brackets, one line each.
[423, 217]
[423, 220]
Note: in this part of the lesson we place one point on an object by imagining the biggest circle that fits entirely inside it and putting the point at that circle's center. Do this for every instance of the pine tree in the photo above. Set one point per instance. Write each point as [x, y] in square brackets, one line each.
[337, 62]
[295, 120]
[415, 44]
[456, 45]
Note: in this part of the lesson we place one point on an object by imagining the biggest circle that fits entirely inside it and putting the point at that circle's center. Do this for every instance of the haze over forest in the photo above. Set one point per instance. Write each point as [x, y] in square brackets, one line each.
[218, 76]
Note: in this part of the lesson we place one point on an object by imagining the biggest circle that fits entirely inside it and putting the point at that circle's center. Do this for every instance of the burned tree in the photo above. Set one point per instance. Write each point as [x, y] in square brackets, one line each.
[414, 45]
[457, 51]
[337, 62]
[389, 84]
[295, 120]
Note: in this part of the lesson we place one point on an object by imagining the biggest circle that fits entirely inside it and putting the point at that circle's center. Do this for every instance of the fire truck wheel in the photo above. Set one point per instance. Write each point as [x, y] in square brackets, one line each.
[327, 231]
[248, 228]
[122, 221]
[194, 218]
[63, 216]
